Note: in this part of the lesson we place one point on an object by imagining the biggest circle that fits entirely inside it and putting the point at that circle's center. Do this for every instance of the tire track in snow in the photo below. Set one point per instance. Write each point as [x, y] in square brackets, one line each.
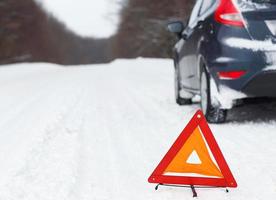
[108, 143]
[51, 168]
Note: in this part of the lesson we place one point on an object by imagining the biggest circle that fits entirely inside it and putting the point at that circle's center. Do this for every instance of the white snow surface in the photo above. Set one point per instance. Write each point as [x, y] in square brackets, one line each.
[194, 158]
[98, 131]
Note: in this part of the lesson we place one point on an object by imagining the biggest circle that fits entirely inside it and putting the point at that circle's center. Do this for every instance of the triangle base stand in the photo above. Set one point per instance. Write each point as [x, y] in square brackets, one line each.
[193, 188]
[194, 191]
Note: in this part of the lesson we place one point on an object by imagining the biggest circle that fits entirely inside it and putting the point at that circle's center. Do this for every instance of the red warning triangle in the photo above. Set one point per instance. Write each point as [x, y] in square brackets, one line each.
[194, 159]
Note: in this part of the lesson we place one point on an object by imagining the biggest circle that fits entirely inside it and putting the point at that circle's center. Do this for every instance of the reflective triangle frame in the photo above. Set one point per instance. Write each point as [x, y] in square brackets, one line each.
[200, 121]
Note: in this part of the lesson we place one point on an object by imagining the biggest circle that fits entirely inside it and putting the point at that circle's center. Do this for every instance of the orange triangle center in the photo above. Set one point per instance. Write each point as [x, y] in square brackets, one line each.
[181, 164]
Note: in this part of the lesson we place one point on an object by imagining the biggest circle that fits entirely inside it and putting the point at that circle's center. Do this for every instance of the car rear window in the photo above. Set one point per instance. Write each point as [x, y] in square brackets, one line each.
[251, 5]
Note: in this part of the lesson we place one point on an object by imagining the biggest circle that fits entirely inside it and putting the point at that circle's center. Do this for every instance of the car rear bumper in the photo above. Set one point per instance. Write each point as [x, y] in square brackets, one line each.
[226, 92]
[260, 67]
[261, 85]
[253, 84]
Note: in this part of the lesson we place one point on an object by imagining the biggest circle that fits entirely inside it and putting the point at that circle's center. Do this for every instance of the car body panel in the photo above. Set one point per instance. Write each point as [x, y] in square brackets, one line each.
[221, 47]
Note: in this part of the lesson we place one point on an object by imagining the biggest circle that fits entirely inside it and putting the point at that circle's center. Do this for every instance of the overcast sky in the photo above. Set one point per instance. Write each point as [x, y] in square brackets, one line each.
[97, 18]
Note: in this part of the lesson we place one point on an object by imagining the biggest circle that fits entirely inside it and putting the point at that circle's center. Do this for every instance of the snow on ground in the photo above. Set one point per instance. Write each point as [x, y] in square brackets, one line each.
[98, 132]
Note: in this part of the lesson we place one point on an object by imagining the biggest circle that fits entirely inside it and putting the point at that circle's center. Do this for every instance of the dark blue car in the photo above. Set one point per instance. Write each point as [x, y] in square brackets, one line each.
[225, 53]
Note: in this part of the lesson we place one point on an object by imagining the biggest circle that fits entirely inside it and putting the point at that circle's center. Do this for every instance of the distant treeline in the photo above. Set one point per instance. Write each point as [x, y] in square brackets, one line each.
[28, 34]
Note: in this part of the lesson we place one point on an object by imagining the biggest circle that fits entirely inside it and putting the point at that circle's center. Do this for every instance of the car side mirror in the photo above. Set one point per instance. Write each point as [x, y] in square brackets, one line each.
[176, 27]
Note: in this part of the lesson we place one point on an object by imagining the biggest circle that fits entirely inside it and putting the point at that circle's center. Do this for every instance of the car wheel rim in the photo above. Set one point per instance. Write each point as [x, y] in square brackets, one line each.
[204, 93]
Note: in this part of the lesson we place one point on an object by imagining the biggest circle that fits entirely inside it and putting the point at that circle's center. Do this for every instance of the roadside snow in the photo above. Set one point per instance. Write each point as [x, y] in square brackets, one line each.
[97, 132]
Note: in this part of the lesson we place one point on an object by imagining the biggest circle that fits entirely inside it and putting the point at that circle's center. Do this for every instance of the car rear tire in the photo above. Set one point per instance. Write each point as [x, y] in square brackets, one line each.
[212, 114]
[179, 100]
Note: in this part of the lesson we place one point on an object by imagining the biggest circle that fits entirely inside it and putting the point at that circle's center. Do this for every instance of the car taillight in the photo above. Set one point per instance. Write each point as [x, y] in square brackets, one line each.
[228, 14]
[231, 75]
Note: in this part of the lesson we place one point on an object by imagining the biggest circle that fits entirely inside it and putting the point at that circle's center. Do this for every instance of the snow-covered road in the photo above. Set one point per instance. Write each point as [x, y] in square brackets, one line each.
[97, 132]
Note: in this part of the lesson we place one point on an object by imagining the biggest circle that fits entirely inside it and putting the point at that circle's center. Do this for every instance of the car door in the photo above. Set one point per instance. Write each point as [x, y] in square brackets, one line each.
[188, 50]
[200, 39]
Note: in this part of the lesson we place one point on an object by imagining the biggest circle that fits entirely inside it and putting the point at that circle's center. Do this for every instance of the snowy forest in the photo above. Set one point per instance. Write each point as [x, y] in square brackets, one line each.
[29, 34]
